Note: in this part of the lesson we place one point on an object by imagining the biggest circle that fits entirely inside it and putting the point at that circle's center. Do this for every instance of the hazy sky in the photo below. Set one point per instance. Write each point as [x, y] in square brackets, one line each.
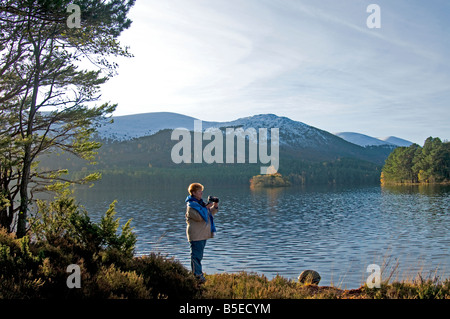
[314, 61]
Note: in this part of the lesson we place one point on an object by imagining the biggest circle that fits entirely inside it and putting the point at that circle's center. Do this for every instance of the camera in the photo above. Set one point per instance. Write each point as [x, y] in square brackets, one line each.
[212, 199]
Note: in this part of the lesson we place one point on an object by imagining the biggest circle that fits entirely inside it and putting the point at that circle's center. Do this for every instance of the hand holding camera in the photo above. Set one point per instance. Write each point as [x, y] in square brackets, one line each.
[212, 201]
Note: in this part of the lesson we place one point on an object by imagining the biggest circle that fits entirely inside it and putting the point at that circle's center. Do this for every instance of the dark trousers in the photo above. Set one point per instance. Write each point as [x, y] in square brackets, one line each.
[197, 248]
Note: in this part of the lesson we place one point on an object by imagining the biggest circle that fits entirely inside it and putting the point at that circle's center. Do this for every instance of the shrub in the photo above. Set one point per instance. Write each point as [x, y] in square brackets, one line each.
[18, 267]
[63, 234]
[431, 288]
[245, 285]
[63, 219]
[166, 277]
[115, 283]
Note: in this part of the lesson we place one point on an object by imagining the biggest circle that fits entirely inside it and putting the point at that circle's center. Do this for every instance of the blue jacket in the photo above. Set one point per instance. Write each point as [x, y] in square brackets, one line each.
[196, 225]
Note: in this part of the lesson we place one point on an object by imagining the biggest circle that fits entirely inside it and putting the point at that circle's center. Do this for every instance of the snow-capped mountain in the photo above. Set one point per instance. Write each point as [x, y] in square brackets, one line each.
[365, 140]
[138, 125]
[297, 139]
[291, 132]
[139, 148]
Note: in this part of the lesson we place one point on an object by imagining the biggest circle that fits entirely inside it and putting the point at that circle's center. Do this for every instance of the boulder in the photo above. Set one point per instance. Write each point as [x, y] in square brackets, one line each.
[309, 277]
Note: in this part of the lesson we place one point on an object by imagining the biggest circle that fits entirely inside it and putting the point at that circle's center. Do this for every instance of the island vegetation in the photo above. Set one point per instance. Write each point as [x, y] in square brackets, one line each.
[269, 180]
[429, 164]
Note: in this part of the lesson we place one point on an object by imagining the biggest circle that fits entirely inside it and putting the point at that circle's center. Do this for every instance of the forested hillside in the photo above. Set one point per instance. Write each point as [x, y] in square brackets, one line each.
[147, 161]
[416, 164]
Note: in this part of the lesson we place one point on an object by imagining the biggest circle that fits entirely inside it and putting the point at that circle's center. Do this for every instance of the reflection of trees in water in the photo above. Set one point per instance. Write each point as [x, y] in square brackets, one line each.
[423, 189]
[272, 195]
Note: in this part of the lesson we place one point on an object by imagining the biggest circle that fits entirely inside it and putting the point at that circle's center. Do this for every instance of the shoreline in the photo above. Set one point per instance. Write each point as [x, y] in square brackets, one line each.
[254, 286]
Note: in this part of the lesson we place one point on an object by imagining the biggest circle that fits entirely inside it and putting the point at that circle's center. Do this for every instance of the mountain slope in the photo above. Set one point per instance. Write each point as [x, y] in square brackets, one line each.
[297, 140]
[361, 139]
[365, 140]
[137, 148]
[396, 141]
[137, 125]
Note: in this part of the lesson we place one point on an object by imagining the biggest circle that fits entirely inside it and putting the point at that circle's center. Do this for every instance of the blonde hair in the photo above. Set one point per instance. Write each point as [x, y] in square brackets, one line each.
[195, 187]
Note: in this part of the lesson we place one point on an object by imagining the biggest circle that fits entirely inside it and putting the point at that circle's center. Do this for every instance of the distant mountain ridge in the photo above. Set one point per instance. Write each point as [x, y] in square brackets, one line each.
[365, 140]
[298, 141]
[137, 149]
[128, 127]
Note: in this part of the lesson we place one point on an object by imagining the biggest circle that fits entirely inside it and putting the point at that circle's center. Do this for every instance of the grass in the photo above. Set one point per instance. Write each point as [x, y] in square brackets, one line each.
[249, 285]
[245, 285]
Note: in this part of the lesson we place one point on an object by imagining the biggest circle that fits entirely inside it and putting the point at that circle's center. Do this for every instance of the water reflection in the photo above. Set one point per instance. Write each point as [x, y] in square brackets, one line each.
[424, 189]
[271, 194]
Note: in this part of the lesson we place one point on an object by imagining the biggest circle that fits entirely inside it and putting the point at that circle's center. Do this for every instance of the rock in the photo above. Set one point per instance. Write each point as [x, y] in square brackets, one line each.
[309, 277]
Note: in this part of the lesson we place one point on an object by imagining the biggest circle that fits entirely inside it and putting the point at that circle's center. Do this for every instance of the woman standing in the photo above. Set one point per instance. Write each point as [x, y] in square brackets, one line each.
[200, 226]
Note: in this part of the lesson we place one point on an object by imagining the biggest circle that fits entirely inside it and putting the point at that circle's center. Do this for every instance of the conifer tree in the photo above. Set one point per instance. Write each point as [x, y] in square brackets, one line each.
[415, 164]
[40, 54]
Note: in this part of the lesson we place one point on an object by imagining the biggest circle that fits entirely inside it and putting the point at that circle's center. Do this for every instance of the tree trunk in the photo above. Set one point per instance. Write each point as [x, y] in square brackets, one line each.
[27, 158]
[23, 210]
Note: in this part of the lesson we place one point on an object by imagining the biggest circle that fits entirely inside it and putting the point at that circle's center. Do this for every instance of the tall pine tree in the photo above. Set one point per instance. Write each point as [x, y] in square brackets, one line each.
[40, 53]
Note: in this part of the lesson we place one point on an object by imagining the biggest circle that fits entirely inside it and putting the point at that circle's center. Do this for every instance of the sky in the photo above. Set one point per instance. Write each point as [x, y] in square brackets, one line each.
[314, 61]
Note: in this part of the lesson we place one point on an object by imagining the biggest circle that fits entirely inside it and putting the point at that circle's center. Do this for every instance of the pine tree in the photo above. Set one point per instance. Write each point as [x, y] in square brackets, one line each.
[39, 71]
[427, 164]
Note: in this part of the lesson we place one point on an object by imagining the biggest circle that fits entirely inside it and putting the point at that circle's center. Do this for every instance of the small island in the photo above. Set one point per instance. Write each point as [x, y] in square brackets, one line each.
[416, 165]
[269, 180]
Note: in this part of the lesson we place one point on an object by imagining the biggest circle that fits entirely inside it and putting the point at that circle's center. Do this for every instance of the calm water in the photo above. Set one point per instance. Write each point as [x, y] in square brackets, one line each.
[335, 231]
